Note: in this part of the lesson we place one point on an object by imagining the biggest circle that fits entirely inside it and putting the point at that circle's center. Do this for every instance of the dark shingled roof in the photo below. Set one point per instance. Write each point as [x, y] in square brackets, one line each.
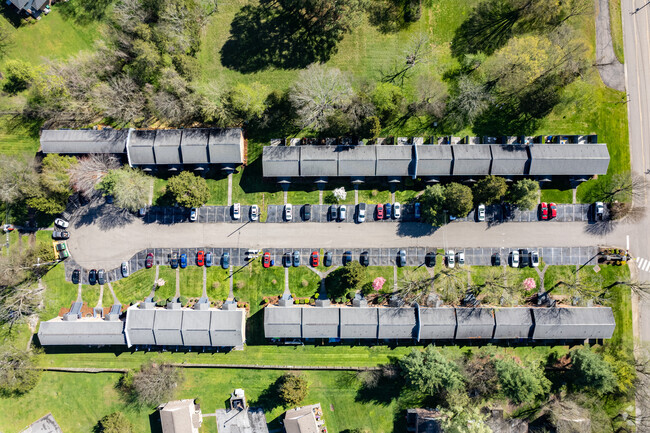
[195, 328]
[194, 146]
[568, 159]
[226, 146]
[471, 159]
[357, 160]
[573, 323]
[227, 327]
[167, 146]
[281, 161]
[434, 160]
[509, 160]
[437, 323]
[359, 322]
[396, 322]
[83, 141]
[513, 323]
[394, 160]
[140, 148]
[320, 322]
[83, 332]
[167, 327]
[474, 323]
[317, 161]
[139, 326]
[282, 322]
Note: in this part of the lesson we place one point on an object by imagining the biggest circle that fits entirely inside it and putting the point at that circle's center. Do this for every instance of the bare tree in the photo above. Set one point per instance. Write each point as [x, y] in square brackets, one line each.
[413, 288]
[90, 170]
[120, 99]
[621, 187]
[155, 383]
[416, 52]
[471, 100]
[499, 288]
[431, 95]
[20, 301]
[17, 375]
[451, 284]
[17, 176]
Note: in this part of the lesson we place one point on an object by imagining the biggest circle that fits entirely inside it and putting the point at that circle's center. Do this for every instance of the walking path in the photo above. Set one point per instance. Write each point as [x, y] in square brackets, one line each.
[178, 284]
[153, 288]
[79, 293]
[230, 189]
[231, 294]
[610, 69]
[205, 280]
[320, 197]
[101, 295]
[356, 194]
[286, 282]
[150, 200]
[110, 287]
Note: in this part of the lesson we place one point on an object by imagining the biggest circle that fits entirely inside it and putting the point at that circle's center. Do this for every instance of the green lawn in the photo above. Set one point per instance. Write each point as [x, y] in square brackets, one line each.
[136, 287]
[557, 195]
[59, 293]
[616, 23]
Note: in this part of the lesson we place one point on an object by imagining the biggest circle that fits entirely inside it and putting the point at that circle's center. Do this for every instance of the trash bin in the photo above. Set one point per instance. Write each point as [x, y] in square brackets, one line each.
[272, 262]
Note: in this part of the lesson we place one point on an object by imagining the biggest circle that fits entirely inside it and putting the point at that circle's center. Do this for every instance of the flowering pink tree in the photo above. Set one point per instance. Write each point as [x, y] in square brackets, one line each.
[529, 284]
[378, 283]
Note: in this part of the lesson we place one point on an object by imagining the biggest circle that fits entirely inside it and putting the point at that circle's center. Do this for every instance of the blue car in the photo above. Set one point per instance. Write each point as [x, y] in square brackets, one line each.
[208, 259]
[225, 260]
[183, 260]
[387, 210]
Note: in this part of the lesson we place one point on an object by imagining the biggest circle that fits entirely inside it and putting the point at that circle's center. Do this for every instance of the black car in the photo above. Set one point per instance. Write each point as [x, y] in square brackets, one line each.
[401, 258]
[347, 257]
[60, 234]
[306, 212]
[524, 258]
[327, 260]
[333, 213]
[76, 274]
[364, 259]
[430, 259]
[173, 262]
[286, 260]
[101, 276]
[496, 259]
[508, 211]
[92, 277]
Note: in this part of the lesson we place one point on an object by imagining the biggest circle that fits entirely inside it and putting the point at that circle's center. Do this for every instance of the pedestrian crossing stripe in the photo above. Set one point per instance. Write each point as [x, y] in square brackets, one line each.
[643, 264]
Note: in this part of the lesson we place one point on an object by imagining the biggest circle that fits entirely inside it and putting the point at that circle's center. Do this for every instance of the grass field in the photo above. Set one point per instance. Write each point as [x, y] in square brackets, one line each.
[616, 23]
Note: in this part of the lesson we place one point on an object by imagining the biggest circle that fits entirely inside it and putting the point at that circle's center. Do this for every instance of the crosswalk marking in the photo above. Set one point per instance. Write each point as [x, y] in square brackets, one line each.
[643, 264]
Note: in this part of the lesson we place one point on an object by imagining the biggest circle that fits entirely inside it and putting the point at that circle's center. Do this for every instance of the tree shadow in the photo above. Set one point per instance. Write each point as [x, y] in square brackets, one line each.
[380, 386]
[269, 36]
[415, 230]
[391, 16]
[12, 14]
[270, 399]
[84, 11]
[105, 216]
[600, 228]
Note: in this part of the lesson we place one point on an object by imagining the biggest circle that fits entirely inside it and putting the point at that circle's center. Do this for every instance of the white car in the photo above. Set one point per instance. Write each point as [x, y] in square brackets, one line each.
[255, 212]
[361, 217]
[534, 259]
[451, 258]
[514, 259]
[125, 269]
[288, 212]
[61, 223]
[236, 208]
[460, 258]
[397, 211]
[342, 212]
[193, 214]
[480, 213]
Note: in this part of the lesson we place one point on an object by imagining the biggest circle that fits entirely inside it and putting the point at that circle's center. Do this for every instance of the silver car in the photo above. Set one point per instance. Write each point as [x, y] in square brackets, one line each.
[255, 211]
[125, 269]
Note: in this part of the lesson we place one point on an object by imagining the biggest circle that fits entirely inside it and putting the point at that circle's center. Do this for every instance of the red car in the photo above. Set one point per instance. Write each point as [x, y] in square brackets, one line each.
[314, 259]
[200, 258]
[553, 209]
[149, 262]
[380, 211]
[543, 210]
[266, 259]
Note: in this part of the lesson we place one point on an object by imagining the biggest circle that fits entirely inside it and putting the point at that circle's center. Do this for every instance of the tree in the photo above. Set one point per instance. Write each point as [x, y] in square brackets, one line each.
[412, 288]
[90, 170]
[188, 189]
[481, 375]
[524, 194]
[521, 383]
[115, 422]
[622, 187]
[54, 180]
[346, 279]
[17, 375]
[490, 190]
[248, 101]
[498, 288]
[129, 186]
[19, 74]
[429, 372]
[20, 301]
[317, 93]
[433, 204]
[340, 193]
[464, 420]
[388, 100]
[293, 389]
[590, 370]
[154, 383]
[18, 178]
[431, 96]
[459, 199]
[469, 101]
[120, 98]
[451, 284]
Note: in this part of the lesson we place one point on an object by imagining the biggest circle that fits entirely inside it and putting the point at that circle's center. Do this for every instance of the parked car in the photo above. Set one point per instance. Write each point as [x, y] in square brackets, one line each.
[387, 209]
[514, 259]
[460, 258]
[333, 213]
[552, 210]
[200, 258]
[313, 259]
[76, 274]
[401, 258]
[364, 259]
[306, 212]
[599, 210]
[361, 216]
[416, 210]
[451, 258]
[534, 259]
[61, 223]
[496, 259]
[173, 262]
[397, 211]
[142, 211]
[266, 259]
[286, 260]
[380, 211]
[255, 212]
[208, 259]
[295, 260]
[327, 260]
[148, 261]
[60, 234]
[543, 211]
[508, 211]
[60, 246]
[225, 260]
[347, 257]
[288, 212]
[524, 258]
[480, 213]
[125, 269]
[193, 214]
[183, 261]
[63, 255]
[101, 277]
[430, 259]
[92, 277]
[342, 212]
[236, 209]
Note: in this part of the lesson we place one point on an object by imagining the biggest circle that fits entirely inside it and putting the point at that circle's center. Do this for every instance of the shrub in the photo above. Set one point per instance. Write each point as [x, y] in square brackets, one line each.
[183, 301]
[304, 283]
[115, 422]
[293, 389]
[18, 76]
[154, 383]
